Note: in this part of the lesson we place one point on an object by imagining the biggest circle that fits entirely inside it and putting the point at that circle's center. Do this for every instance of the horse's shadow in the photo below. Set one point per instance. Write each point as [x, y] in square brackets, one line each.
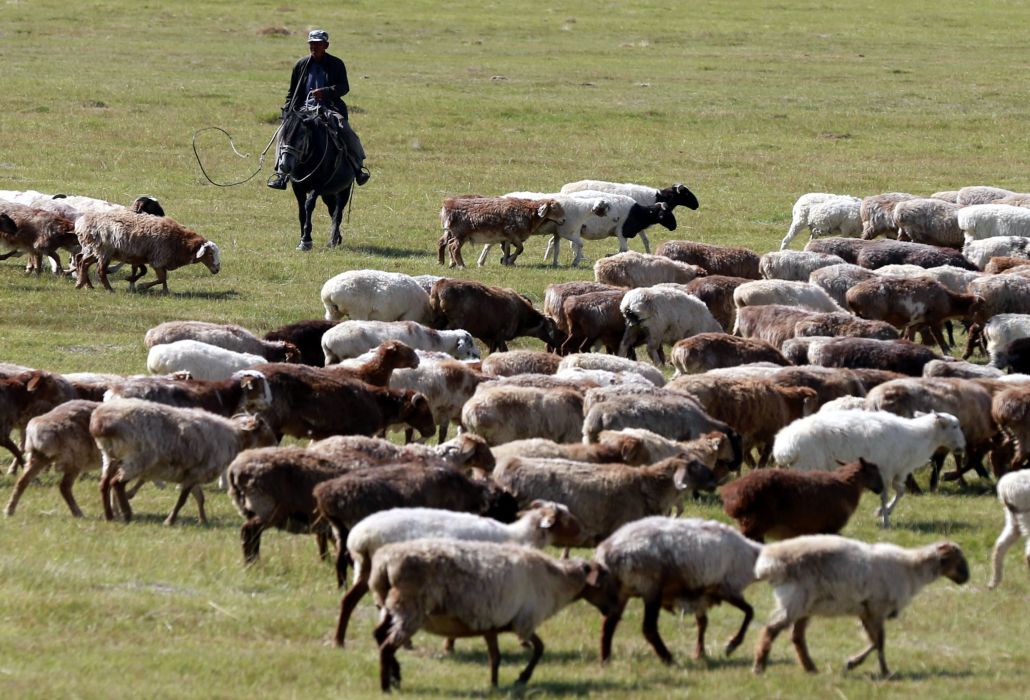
[390, 251]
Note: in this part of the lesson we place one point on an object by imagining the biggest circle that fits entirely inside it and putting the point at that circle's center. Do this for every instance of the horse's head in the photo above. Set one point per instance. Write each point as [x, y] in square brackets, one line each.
[297, 137]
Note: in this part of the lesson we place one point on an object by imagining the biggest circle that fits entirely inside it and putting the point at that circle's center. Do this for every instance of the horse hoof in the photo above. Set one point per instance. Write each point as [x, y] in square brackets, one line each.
[334, 244]
[304, 245]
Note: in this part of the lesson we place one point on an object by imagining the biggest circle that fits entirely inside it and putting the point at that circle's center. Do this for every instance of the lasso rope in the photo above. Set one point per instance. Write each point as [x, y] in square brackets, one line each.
[261, 158]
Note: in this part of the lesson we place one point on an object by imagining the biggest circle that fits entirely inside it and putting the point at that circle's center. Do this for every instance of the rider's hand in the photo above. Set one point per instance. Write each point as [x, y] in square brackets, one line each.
[318, 93]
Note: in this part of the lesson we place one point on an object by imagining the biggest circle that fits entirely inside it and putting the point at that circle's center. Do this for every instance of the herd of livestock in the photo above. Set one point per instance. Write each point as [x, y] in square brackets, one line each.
[803, 358]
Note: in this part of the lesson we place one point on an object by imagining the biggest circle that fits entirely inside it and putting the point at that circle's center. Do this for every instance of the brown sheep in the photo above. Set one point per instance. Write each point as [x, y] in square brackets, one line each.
[38, 232]
[493, 220]
[706, 351]
[715, 259]
[593, 318]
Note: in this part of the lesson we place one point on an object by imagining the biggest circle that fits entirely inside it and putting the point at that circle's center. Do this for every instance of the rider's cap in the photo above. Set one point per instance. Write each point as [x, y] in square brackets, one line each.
[318, 35]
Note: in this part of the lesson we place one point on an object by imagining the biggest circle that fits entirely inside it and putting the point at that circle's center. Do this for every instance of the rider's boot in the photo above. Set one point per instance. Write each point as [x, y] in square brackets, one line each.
[278, 181]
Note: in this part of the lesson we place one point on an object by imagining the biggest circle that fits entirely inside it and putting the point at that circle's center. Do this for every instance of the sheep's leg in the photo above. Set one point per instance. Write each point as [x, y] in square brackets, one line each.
[34, 467]
[538, 651]
[702, 625]
[342, 559]
[484, 254]
[611, 621]
[19, 457]
[739, 603]
[123, 499]
[134, 489]
[184, 493]
[949, 328]
[198, 496]
[899, 491]
[623, 243]
[769, 634]
[105, 490]
[494, 654]
[1008, 537]
[795, 228]
[65, 487]
[137, 273]
[55, 265]
[874, 630]
[651, 609]
[322, 543]
[102, 273]
[250, 538]
[389, 639]
[972, 340]
[647, 243]
[347, 604]
[518, 251]
[456, 259]
[797, 636]
[764, 454]
[938, 336]
[162, 279]
[82, 272]
[883, 511]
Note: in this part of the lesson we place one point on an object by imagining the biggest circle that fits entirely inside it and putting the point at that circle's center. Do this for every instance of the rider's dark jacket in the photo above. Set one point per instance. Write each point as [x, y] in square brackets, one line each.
[337, 79]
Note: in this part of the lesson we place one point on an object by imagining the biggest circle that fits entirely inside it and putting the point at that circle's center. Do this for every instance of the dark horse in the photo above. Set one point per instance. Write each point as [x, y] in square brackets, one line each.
[317, 167]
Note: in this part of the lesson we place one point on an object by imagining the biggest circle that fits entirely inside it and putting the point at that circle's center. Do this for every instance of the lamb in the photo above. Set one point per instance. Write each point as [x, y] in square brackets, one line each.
[38, 232]
[632, 269]
[611, 363]
[897, 445]
[144, 440]
[981, 194]
[729, 261]
[538, 526]
[928, 220]
[624, 219]
[455, 588]
[989, 220]
[784, 292]
[59, 438]
[1014, 494]
[877, 213]
[980, 252]
[200, 360]
[662, 315]
[506, 364]
[505, 413]
[447, 386]
[1000, 331]
[795, 265]
[830, 575]
[492, 314]
[351, 338]
[604, 496]
[706, 351]
[715, 450]
[879, 253]
[224, 335]
[836, 280]
[375, 295]
[823, 214]
[895, 355]
[617, 448]
[1010, 409]
[141, 240]
[689, 564]
[847, 248]
[306, 336]
[493, 220]
[716, 291]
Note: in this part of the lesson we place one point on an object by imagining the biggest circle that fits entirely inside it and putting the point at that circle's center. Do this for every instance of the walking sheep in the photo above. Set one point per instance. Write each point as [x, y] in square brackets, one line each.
[1014, 494]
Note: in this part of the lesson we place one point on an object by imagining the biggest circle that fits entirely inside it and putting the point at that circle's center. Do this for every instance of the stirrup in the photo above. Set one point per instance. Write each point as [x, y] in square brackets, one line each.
[361, 176]
[277, 181]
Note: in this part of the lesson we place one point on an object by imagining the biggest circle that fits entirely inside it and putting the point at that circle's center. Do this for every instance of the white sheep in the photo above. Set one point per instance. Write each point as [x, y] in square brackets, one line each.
[928, 220]
[632, 269]
[201, 360]
[836, 280]
[981, 221]
[1014, 494]
[601, 377]
[981, 251]
[375, 295]
[897, 445]
[352, 338]
[503, 413]
[662, 315]
[877, 212]
[690, 564]
[447, 384]
[828, 575]
[794, 264]
[612, 363]
[1001, 330]
[823, 214]
[540, 525]
[980, 194]
[783, 292]
[224, 335]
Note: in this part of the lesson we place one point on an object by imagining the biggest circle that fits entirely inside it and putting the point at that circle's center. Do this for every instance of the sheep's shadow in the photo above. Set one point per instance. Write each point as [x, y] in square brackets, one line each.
[534, 688]
[388, 251]
[213, 296]
[934, 527]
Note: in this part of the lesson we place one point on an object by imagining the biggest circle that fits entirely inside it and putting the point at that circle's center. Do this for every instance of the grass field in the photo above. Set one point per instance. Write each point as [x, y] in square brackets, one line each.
[749, 103]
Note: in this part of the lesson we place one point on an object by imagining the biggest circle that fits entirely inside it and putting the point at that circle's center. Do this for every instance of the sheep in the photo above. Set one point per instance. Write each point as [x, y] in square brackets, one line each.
[716, 291]
[1009, 409]
[928, 220]
[24, 394]
[706, 351]
[306, 336]
[492, 314]
[59, 438]
[897, 445]
[957, 368]
[38, 232]
[617, 448]
[795, 265]
[375, 295]
[447, 385]
[538, 526]
[142, 439]
[946, 195]
[824, 213]
[351, 338]
[455, 588]
[966, 400]
[1016, 356]
[999, 331]
[140, 239]
[221, 397]
[1013, 492]
[981, 194]
[876, 254]
[981, 221]
[847, 248]
[844, 324]
[877, 213]
[901, 356]
[611, 363]
[715, 450]
[91, 386]
[828, 383]
[592, 319]
[831, 575]
[999, 294]
[729, 261]
[784, 292]
[836, 280]
[465, 452]
[493, 220]
[662, 315]
[1020, 199]
[200, 360]
[604, 496]
[224, 335]
[980, 252]
[631, 269]
[771, 323]
[506, 364]
[377, 366]
[505, 413]
[1006, 263]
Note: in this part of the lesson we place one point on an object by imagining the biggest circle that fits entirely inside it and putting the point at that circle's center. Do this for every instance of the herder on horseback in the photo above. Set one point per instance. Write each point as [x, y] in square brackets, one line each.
[320, 80]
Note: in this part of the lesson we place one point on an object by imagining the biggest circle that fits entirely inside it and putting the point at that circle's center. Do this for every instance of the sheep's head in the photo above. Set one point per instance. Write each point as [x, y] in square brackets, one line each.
[870, 475]
[548, 331]
[211, 256]
[601, 589]
[498, 503]
[562, 527]
[468, 451]
[256, 393]
[398, 355]
[255, 431]
[550, 210]
[7, 224]
[418, 414]
[692, 475]
[465, 347]
[953, 562]
[145, 204]
[666, 217]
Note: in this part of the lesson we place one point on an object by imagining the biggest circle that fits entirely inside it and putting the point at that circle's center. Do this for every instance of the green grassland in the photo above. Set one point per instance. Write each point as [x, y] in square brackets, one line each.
[749, 103]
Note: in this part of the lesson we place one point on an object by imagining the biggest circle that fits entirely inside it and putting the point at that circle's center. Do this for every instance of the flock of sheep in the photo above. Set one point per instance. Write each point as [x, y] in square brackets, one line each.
[793, 356]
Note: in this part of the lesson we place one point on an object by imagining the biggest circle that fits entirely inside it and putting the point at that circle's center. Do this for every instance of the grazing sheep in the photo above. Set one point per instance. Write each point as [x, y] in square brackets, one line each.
[828, 575]
[823, 214]
[631, 269]
[901, 356]
[716, 291]
[771, 323]
[829, 383]
[377, 366]
[877, 254]
[375, 295]
[783, 292]
[795, 265]
[877, 213]
[145, 440]
[980, 252]
[841, 324]
[351, 338]
[897, 445]
[555, 296]
[706, 351]
[141, 240]
[512, 362]
[612, 363]
[999, 294]
[200, 360]
[447, 386]
[224, 335]
[1014, 494]
[500, 414]
[931, 221]
[617, 448]
[714, 450]
[729, 261]
[593, 319]
[662, 315]
[982, 221]
[306, 336]
[981, 194]
[454, 588]
[846, 248]
[508, 220]
[689, 564]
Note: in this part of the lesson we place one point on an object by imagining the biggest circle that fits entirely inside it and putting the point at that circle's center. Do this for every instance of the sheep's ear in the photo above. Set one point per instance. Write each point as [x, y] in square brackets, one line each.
[33, 383]
[542, 210]
[916, 414]
[594, 574]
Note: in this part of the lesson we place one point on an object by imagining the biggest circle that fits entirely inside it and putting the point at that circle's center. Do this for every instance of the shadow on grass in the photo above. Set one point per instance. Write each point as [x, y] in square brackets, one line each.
[934, 527]
[214, 296]
[926, 675]
[389, 251]
[534, 688]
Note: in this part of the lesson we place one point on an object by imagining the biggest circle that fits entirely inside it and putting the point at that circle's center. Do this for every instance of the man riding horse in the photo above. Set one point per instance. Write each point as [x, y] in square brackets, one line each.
[320, 80]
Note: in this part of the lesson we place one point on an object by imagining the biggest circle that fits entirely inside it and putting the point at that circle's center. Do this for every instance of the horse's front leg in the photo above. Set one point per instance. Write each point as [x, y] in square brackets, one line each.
[305, 209]
[336, 206]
